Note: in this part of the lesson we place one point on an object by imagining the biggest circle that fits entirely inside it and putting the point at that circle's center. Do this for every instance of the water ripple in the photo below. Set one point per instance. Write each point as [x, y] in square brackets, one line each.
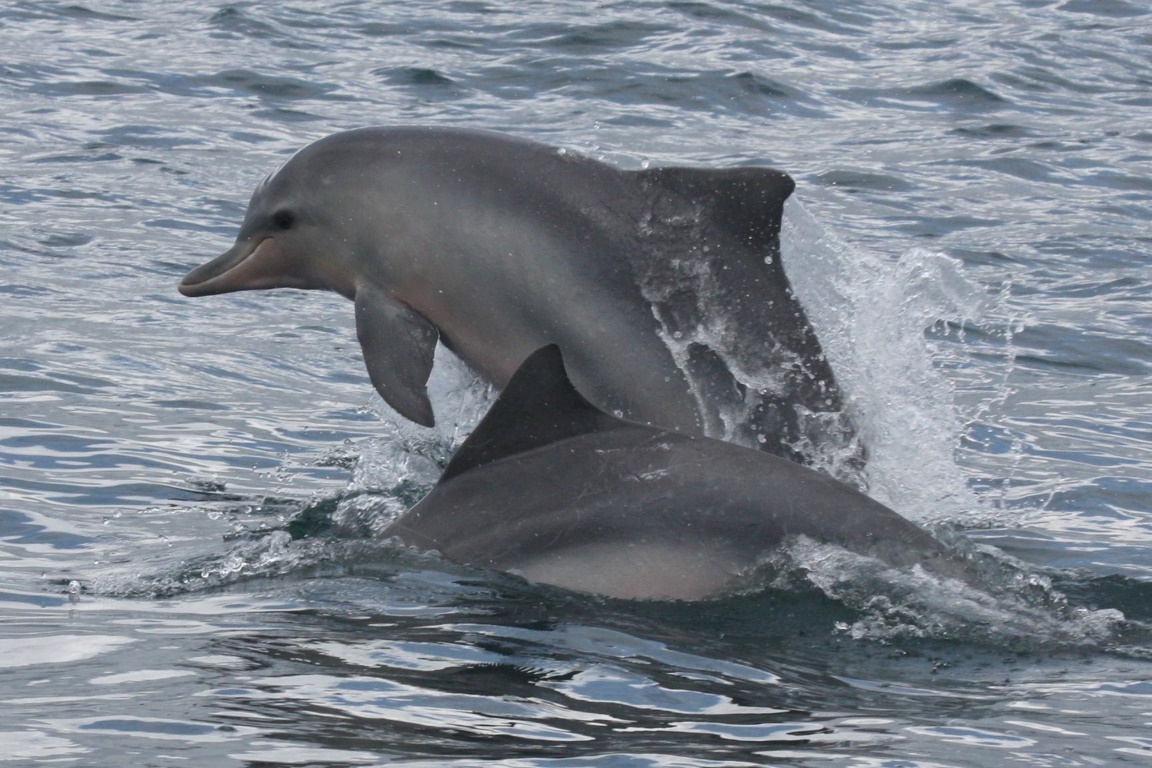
[183, 486]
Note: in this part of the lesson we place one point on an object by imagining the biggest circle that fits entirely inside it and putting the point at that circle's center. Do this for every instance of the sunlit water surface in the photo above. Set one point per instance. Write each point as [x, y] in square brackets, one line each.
[188, 488]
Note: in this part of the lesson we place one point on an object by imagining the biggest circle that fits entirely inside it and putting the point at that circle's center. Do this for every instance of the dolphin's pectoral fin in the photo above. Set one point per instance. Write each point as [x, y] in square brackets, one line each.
[398, 345]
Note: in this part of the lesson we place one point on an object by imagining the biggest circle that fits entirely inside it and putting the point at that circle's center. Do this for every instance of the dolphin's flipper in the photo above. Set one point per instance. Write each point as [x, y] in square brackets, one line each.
[540, 406]
[398, 345]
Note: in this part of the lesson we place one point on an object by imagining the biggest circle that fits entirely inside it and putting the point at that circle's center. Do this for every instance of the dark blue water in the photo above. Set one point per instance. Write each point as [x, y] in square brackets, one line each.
[188, 488]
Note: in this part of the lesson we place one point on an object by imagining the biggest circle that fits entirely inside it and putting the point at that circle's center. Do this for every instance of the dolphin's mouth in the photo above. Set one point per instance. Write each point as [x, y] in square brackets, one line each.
[247, 266]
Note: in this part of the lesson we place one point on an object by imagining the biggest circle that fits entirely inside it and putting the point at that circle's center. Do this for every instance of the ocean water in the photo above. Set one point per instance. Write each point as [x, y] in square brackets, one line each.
[188, 487]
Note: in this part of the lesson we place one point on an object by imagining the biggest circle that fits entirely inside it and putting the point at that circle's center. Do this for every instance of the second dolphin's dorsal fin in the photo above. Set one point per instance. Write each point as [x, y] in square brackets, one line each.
[539, 406]
[745, 202]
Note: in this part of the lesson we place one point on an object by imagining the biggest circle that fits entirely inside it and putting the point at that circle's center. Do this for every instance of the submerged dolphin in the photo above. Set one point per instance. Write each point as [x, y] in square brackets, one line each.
[551, 487]
[664, 287]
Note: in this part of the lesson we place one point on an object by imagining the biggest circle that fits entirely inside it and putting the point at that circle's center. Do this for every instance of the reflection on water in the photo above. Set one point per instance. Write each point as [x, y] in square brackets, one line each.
[501, 671]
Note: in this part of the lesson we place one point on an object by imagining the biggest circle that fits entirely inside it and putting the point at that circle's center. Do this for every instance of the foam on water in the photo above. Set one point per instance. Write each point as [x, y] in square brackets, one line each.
[397, 469]
[995, 600]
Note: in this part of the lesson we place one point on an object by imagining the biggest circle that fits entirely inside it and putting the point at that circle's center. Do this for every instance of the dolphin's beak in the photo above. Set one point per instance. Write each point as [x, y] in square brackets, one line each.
[247, 266]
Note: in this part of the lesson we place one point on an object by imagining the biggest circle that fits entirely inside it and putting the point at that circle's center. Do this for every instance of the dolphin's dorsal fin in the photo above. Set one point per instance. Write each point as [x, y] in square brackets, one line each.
[747, 202]
[539, 406]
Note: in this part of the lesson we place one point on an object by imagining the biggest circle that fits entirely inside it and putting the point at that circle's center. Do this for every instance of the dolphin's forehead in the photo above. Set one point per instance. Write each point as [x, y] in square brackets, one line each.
[299, 170]
[324, 170]
[346, 176]
[259, 205]
[297, 180]
[350, 150]
[265, 183]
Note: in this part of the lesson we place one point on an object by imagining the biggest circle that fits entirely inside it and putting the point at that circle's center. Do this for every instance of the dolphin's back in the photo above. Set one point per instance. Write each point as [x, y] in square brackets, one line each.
[638, 486]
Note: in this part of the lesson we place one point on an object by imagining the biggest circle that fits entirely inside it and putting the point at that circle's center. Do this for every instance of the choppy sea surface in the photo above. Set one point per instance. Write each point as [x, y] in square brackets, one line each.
[188, 487]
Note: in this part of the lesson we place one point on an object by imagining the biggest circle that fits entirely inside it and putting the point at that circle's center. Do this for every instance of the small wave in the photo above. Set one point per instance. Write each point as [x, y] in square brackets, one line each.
[421, 77]
[1117, 9]
[247, 82]
[862, 180]
[956, 94]
[1000, 601]
[232, 20]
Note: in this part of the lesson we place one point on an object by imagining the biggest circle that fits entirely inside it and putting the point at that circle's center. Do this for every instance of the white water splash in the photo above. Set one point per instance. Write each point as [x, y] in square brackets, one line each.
[396, 469]
[871, 316]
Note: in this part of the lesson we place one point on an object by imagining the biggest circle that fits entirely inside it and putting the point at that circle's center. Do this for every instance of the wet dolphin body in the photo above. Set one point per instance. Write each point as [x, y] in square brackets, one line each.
[664, 287]
[551, 487]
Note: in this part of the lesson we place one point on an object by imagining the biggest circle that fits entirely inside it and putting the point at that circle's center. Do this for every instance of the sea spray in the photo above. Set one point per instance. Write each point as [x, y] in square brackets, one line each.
[871, 315]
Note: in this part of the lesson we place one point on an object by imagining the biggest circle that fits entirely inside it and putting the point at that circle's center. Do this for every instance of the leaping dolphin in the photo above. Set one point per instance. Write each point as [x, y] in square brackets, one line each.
[555, 489]
[664, 286]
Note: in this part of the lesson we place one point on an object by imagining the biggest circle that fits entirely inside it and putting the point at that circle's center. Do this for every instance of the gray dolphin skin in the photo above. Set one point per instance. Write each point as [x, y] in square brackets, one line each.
[664, 287]
[551, 487]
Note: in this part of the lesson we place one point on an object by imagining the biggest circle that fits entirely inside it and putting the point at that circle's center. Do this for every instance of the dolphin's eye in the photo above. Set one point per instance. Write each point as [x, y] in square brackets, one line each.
[283, 219]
